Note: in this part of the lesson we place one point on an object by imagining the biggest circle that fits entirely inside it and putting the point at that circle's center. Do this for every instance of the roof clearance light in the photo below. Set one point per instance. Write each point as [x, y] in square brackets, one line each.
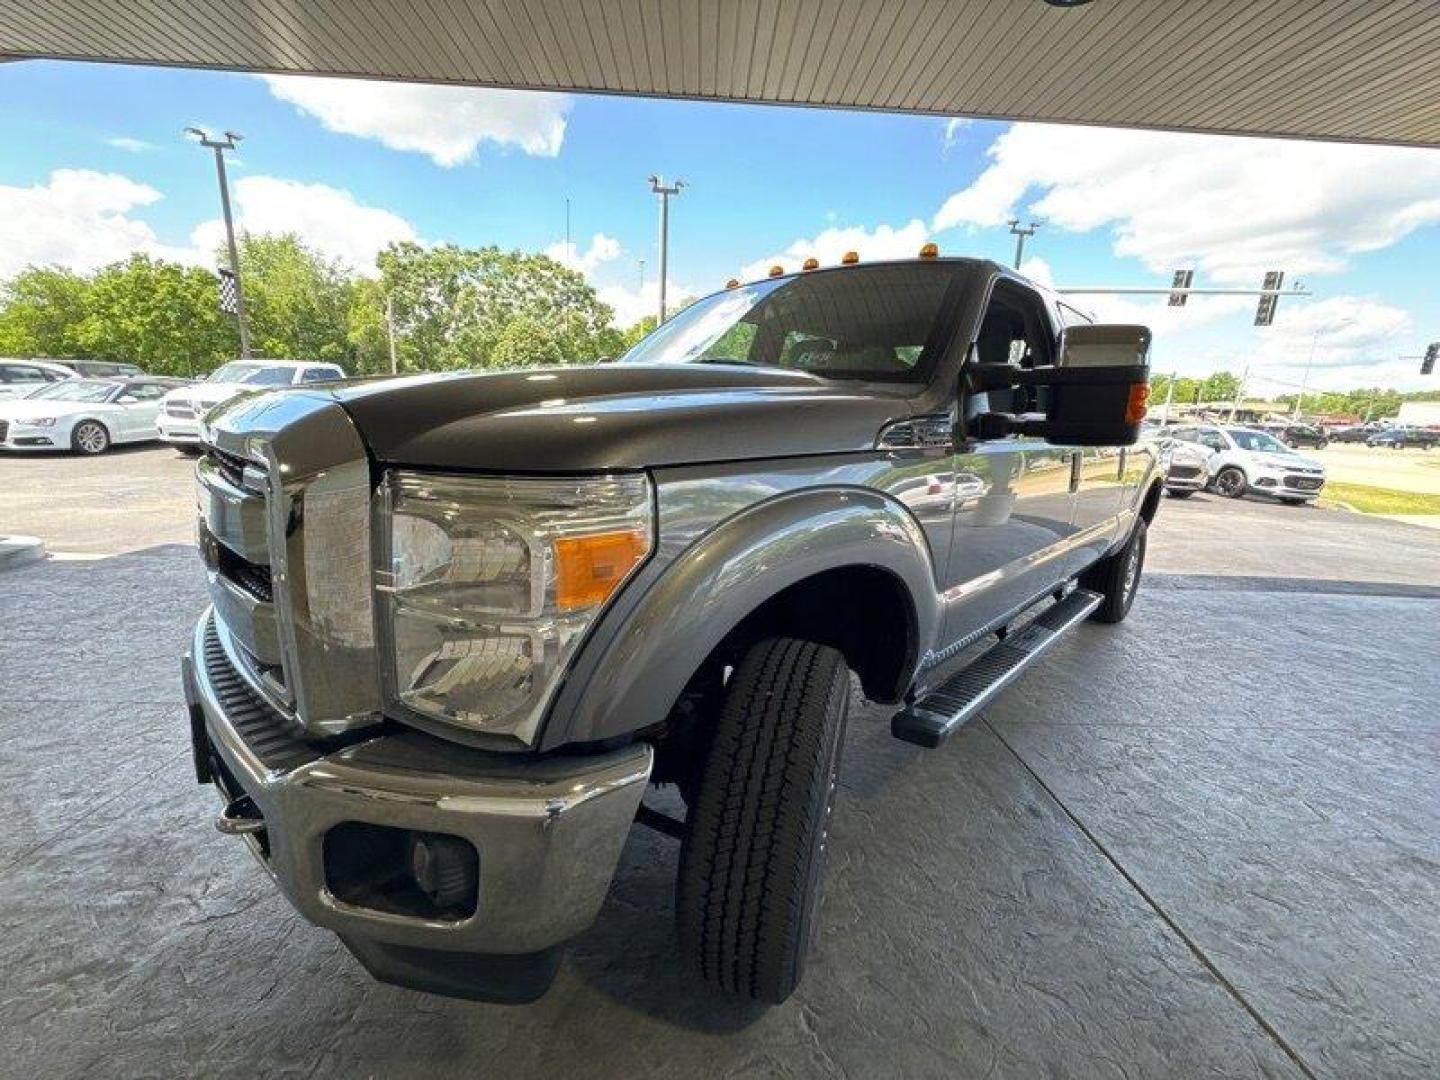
[850, 258]
[776, 270]
[733, 283]
[811, 263]
[929, 251]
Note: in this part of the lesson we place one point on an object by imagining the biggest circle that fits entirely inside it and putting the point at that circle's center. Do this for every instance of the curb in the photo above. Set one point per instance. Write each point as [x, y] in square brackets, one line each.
[19, 550]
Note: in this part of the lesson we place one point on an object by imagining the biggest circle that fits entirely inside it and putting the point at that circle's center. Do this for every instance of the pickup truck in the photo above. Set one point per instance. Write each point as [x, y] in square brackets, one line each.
[460, 621]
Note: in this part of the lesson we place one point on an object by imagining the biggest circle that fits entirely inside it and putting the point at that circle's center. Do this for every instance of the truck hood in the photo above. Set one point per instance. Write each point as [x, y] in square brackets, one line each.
[614, 416]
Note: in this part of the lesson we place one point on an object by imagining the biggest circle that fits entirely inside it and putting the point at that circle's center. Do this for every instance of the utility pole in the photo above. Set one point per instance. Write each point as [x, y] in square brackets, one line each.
[220, 146]
[657, 185]
[390, 331]
[1169, 397]
[1239, 391]
[1305, 379]
[1020, 233]
[642, 274]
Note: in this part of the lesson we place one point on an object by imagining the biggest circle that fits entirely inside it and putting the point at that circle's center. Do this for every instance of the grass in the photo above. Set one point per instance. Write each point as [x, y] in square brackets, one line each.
[1376, 500]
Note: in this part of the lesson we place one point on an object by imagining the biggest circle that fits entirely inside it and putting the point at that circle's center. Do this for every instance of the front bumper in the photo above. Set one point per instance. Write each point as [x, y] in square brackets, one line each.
[178, 430]
[1283, 485]
[548, 831]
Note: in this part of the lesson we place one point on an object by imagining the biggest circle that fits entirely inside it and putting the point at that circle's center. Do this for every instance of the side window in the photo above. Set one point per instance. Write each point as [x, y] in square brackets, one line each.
[19, 373]
[146, 391]
[1213, 439]
[1016, 330]
[321, 374]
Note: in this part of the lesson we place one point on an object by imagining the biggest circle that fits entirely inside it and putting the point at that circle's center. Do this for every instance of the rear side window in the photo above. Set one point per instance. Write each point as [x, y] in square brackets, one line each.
[22, 373]
[321, 375]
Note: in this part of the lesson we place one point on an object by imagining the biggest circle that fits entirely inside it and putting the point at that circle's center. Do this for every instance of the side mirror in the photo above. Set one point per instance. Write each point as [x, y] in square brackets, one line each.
[1097, 390]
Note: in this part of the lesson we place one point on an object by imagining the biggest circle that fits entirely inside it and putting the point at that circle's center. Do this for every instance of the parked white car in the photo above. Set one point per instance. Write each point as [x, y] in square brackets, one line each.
[85, 415]
[1247, 460]
[182, 410]
[21, 378]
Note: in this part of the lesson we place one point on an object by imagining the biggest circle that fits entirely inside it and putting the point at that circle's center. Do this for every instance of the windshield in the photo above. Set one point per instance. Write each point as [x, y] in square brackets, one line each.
[75, 390]
[1257, 440]
[254, 374]
[864, 323]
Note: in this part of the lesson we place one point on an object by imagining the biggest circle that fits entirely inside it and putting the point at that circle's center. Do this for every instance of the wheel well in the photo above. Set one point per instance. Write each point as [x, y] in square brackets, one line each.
[1152, 502]
[863, 611]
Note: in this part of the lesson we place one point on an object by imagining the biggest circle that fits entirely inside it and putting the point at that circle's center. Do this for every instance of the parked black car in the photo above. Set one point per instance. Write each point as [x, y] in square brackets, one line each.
[1304, 435]
[1401, 438]
[1358, 433]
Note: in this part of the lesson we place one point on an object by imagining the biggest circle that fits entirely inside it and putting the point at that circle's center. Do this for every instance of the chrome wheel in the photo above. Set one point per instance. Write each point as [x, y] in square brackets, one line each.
[1230, 483]
[91, 438]
[1132, 571]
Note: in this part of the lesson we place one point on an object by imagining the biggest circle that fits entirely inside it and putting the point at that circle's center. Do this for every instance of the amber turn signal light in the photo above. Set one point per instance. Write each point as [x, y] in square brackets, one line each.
[589, 568]
[1135, 407]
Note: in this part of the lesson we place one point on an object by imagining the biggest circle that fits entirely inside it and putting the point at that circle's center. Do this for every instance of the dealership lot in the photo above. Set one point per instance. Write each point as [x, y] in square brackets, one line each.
[1203, 842]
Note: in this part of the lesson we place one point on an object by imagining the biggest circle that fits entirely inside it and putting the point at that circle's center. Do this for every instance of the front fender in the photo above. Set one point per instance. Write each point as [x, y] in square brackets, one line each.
[644, 651]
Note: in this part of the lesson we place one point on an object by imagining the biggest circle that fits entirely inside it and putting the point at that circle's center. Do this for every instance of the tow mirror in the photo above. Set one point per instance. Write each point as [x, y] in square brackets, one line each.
[1096, 393]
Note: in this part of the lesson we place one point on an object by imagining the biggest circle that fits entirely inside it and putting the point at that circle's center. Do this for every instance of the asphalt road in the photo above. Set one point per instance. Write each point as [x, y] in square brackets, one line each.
[1205, 842]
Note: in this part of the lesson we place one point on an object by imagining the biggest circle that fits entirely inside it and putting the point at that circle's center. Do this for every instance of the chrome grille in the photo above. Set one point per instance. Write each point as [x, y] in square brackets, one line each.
[265, 730]
[184, 409]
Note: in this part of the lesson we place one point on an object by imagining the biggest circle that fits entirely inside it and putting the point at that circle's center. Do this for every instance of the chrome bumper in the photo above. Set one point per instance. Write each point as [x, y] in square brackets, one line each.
[548, 831]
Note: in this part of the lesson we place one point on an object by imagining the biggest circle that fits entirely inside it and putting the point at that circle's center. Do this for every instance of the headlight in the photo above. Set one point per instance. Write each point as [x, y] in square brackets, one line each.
[43, 421]
[488, 585]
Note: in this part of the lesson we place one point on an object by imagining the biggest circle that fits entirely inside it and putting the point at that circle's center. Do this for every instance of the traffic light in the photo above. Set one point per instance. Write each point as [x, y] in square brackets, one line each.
[1182, 280]
[1265, 310]
[1427, 363]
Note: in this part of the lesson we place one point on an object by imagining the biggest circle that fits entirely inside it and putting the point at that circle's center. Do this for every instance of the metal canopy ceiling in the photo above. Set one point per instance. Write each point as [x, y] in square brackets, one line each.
[1364, 70]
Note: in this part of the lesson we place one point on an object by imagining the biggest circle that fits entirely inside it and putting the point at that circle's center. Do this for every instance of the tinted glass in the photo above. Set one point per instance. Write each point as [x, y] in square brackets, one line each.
[76, 390]
[858, 323]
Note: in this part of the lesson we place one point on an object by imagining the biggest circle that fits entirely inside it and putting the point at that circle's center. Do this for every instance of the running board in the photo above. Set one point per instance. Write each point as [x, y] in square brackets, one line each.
[944, 710]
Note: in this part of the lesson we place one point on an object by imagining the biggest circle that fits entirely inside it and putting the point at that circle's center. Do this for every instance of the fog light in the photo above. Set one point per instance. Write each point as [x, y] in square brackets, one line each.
[444, 869]
[422, 875]
[1265, 481]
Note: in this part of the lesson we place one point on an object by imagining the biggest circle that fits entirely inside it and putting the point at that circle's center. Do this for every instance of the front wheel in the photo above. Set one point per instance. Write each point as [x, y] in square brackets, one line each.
[1117, 577]
[751, 870]
[1230, 482]
[90, 437]
[1179, 493]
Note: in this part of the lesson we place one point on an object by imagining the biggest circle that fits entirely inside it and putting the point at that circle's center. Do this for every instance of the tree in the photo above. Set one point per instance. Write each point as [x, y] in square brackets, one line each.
[1221, 386]
[526, 342]
[299, 303]
[452, 304]
[160, 315]
[39, 310]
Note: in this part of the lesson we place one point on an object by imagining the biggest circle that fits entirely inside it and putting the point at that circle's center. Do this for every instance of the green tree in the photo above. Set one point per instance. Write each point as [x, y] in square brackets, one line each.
[1221, 386]
[452, 304]
[526, 342]
[299, 303]
[39, 310]
[160, 315]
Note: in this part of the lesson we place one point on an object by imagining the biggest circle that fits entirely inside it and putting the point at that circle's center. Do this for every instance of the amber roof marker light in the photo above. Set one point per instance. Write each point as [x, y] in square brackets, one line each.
[776, 270]
[733, 283]
[811, 263]
[930, 251]
[850, 258]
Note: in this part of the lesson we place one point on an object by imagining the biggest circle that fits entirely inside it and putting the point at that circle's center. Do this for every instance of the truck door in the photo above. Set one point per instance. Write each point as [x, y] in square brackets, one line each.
[1014, 502]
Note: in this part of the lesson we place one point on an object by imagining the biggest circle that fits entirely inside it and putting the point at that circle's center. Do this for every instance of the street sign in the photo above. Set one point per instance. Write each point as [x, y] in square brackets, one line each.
[1265, 310]
[229, 298]
[1181, 281]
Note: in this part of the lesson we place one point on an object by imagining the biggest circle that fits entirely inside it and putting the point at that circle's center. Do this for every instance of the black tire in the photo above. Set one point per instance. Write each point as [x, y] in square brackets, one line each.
[1179, 493]
[1117, 577]
[1294, 502]
[189, 449]
[753, 862]
[1230, 482]
[90, 437]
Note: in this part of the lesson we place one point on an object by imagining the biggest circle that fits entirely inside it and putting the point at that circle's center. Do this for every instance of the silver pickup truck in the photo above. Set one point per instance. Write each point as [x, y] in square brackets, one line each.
[459, 622]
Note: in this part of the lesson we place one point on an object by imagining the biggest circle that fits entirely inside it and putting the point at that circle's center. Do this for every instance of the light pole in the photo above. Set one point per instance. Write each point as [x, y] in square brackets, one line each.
[220, 146]
[1020, 233]
[657, 185]
[1305, 379]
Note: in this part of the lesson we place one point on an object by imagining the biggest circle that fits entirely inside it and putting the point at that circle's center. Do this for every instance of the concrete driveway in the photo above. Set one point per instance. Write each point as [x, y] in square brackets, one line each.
[1202, 843]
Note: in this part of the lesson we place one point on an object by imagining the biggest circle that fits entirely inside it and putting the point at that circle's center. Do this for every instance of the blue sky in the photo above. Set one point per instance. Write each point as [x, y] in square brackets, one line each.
[95, 166]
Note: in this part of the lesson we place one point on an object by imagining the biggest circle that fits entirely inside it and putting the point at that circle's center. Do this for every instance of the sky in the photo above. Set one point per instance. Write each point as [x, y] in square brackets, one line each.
[94, 166]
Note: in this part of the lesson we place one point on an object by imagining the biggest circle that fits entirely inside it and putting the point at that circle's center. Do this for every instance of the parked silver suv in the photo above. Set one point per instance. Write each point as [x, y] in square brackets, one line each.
[461, 620]
[1248, 460]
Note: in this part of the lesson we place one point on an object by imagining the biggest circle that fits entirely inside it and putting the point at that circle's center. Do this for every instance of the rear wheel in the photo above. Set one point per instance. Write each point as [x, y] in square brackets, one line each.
[90, 437]
[751, 870]
[1117, 577]
[1230, 482]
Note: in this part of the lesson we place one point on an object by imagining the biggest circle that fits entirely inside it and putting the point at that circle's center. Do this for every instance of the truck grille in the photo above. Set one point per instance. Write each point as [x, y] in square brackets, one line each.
[230, 466]
[1184, 472]
[183, 409]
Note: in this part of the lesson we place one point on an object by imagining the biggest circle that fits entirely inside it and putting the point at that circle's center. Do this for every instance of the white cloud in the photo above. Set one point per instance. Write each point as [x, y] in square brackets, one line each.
[445, 123]
[953, 127]
[129, 145]
[602, 249]
[79, 218]
[882, 242]
[326, 218]
[632, 305]
[1231, 207]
